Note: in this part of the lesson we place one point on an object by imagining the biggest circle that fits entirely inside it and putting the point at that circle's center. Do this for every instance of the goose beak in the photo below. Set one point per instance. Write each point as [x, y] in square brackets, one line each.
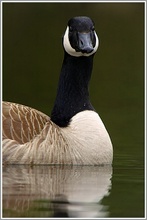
[84, 43]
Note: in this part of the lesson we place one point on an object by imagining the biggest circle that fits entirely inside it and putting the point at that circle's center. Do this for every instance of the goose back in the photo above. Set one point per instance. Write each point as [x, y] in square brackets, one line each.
[22, 123]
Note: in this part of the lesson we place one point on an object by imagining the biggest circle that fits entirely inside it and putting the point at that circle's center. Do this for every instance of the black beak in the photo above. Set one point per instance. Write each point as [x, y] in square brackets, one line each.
[84, 43]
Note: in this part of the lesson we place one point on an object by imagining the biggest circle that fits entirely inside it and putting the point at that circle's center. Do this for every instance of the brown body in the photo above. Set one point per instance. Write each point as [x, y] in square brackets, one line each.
[22, 123]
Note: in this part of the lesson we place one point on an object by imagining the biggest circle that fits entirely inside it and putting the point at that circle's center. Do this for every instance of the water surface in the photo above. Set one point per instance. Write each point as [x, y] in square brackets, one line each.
[73, 191]
[56, 190]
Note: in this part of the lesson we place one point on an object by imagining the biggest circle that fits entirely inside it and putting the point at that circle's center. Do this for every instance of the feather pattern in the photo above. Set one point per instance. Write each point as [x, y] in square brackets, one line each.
[79, 143]
[22, 123]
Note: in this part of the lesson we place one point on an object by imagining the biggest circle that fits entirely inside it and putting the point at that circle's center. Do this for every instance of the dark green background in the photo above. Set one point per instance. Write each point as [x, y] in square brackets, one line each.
[32, 58]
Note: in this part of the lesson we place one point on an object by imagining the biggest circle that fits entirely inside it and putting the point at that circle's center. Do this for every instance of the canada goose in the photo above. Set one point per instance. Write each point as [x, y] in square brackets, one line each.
[74, 134]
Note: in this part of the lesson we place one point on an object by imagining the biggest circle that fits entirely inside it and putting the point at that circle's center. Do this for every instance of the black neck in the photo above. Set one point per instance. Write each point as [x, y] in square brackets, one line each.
[72, 94]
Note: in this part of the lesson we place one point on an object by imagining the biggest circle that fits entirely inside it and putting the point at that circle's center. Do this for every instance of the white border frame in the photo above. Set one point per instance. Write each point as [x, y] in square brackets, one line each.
[145, 95]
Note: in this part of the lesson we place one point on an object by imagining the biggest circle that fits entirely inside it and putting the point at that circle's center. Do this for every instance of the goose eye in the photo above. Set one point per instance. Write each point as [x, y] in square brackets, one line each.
[70, 29]
[93, 29]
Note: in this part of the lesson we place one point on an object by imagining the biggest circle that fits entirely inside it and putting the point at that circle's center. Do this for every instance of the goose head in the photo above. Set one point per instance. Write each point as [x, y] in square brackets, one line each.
[80, 38]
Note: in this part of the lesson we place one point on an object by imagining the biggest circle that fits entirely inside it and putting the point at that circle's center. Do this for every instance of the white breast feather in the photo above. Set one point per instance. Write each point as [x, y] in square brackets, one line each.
[88, 137]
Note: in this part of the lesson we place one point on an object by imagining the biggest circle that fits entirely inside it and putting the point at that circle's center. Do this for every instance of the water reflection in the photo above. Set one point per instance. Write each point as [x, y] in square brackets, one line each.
[55, 191]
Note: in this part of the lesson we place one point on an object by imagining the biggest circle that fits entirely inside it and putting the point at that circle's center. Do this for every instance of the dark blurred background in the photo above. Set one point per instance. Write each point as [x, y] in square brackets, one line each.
[33, 54]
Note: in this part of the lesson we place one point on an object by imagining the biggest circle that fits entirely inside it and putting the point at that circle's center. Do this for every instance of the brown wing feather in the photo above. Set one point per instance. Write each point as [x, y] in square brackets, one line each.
[22, 123]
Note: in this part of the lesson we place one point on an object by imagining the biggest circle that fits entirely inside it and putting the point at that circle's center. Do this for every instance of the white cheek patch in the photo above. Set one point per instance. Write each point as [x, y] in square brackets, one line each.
[97, 43]
[70, 50]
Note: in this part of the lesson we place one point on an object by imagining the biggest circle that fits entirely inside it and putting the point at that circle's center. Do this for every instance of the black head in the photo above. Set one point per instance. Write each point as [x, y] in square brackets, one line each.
[80, 38]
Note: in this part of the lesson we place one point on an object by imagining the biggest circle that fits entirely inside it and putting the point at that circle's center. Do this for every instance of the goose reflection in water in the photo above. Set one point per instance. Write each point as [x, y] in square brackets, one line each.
[56, 191]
